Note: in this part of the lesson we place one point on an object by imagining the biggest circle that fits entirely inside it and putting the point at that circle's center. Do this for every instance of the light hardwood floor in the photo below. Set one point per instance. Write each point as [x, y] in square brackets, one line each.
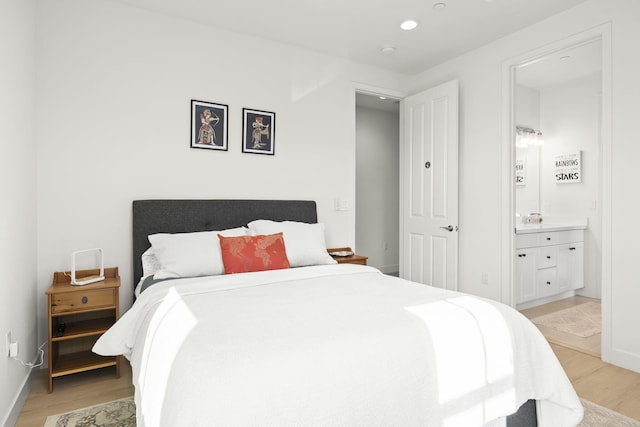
[73, 392]
[607, 385]
[615, 388]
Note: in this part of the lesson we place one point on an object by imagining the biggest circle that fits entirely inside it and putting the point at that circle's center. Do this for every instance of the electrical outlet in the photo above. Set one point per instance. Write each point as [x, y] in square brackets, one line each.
[485, 278]
[8, 347]
[13, 349]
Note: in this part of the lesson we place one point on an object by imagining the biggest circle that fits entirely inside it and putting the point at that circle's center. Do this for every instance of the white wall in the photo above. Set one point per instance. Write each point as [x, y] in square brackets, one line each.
[114, 91]
[377, 187]
[479, 73]
[18, 121]
[570, 119]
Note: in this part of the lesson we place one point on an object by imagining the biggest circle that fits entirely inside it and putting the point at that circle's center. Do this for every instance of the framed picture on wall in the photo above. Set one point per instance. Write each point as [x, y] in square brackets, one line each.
[568, 168]
[521, 176]
[258, 131]
[209, 125]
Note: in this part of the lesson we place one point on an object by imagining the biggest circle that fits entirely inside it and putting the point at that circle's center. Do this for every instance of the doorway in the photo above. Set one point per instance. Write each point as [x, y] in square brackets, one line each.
[377, 180]
[427, 198]
[559, 96]
[563, 93]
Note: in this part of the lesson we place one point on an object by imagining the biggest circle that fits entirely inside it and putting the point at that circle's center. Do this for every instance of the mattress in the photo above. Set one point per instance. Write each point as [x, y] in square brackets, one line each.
[332, 345]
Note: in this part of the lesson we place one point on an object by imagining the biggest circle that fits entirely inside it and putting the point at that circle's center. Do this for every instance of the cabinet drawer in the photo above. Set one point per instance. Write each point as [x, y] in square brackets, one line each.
[547, 256]
[560, 237]
[87, 300]
[532, 240]
[529, 240]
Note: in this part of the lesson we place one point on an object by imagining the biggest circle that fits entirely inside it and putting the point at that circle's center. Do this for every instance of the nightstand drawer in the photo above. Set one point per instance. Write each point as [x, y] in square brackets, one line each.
[87, 300]
[353, 259]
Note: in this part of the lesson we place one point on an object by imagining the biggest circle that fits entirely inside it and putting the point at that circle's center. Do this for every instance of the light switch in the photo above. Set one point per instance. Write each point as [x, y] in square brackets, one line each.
[342, 204]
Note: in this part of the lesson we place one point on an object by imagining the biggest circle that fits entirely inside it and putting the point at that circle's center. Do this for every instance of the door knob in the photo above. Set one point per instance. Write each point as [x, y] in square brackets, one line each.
[448, 228]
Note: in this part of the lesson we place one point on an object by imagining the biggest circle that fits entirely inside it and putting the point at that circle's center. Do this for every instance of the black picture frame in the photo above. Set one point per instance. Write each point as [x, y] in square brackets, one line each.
[209, 125]
[258, 131]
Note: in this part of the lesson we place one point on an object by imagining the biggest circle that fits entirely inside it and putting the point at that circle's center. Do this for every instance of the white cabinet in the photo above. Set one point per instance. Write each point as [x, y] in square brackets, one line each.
[571, 266]
[548, 263]
[526, 266]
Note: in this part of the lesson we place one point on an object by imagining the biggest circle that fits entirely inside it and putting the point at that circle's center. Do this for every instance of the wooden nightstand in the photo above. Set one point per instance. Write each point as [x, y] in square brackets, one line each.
[78, 315]
[351, 259]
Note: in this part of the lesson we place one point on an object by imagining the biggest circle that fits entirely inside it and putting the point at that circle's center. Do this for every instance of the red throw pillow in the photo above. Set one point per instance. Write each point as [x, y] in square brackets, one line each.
[253, 253]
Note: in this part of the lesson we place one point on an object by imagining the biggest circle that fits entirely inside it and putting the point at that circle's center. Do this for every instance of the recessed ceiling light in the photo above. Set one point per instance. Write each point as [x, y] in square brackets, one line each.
[387, 50]
[409, 24]
[563, 58]
[382, 97]
[439, 6]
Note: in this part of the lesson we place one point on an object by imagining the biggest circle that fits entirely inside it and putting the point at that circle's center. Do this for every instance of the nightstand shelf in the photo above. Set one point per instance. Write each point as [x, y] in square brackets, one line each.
[83, 313]
[351, 259]
[82, 361]
[80, 329]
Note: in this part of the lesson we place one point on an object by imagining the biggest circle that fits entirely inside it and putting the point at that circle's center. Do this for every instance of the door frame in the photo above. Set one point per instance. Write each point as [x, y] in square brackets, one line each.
[390, 94]
[507, 238]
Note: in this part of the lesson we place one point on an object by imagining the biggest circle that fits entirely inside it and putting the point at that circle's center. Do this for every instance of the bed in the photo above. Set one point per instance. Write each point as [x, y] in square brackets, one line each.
[323, 344]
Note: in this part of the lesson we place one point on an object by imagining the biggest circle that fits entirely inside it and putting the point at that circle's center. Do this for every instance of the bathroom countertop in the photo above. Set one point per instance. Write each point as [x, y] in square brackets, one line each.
[552, 224]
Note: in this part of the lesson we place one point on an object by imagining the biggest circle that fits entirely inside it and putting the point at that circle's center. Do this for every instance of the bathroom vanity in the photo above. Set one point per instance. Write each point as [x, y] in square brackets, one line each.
[549, 260]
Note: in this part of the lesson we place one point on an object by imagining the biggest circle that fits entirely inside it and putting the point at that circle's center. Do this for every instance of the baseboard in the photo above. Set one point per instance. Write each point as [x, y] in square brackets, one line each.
[622, 358]
[535, 303]
[390, 269]
[21, 398]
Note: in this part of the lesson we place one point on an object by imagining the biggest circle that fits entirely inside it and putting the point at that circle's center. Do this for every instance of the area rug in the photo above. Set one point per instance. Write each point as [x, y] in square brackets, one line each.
[117, 413]
[122, 413]
[582, 320]
[598, 416]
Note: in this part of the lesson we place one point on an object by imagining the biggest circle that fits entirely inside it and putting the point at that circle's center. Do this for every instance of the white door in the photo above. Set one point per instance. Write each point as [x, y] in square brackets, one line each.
[429, 187]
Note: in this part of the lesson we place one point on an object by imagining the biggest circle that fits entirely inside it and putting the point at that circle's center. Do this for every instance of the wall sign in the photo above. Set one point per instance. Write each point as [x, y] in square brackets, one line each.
[568, 168]
[520, 172]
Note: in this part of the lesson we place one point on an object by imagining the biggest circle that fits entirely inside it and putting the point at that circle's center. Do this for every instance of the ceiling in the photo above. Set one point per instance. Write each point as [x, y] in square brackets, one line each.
[358, 29]
[563, 66]
[376, 103]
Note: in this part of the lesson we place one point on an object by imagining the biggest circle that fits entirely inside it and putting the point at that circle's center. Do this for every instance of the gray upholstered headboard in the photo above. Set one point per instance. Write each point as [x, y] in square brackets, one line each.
[182, 216]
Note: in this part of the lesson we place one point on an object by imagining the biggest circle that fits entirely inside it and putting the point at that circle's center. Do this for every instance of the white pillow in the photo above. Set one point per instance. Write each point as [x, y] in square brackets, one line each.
[190, 254]
[150, 263]
[304, 243]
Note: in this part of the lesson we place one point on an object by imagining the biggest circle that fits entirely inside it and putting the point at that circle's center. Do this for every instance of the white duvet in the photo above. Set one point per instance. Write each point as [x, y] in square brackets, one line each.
[337, 345]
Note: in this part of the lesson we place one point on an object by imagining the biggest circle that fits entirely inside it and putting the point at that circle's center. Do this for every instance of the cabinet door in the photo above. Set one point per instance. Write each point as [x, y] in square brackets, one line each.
[526, 266]
[570, 266]
[547, 280]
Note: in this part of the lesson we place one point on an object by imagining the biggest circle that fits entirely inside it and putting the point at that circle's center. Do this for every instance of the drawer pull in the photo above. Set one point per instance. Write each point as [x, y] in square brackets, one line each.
[548, 283]
[548, 257]
[85, 300]
[572, 249]
[549, 238]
